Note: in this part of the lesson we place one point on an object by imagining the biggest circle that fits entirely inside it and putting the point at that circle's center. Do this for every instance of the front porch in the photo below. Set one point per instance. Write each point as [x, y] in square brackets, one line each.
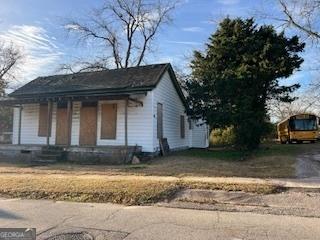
[73, 121]
[87, 129]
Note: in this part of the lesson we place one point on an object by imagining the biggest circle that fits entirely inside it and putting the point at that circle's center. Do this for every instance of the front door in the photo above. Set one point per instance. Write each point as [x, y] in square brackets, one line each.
[62, 126]
[88, 124]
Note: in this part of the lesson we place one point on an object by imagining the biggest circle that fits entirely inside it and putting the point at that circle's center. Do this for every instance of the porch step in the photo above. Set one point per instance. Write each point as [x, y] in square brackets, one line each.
[52, 157]
[52, 148]
[43, 162]
[50, 154]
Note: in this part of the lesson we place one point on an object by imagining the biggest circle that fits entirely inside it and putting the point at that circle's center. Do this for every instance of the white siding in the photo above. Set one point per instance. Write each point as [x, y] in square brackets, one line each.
[142, 122]
[15, 127]
[30, 125]
[139, 124]
[166, 94]
[199, 135]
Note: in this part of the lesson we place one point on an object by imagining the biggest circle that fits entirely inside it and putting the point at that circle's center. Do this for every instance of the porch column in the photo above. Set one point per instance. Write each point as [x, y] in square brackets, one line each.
[69, 117]
[126, 122]
[19, 127]
[49, 119]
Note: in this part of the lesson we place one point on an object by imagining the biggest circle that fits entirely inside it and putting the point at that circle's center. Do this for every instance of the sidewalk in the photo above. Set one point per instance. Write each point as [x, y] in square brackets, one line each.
[302, 183]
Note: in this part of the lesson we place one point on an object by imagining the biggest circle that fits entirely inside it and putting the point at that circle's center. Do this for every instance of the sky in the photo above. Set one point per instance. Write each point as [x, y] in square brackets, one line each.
[36, 26]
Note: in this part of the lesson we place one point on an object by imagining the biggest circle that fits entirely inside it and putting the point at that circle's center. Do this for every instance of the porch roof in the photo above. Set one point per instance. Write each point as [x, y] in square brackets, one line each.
[87, 96]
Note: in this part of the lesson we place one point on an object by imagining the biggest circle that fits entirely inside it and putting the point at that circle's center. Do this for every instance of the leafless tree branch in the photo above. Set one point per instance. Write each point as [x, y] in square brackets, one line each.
[125, 28]
[302, 16]
[9, 58]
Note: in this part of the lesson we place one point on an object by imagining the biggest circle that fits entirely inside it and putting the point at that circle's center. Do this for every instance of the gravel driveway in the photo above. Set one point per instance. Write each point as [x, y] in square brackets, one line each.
[308, 165]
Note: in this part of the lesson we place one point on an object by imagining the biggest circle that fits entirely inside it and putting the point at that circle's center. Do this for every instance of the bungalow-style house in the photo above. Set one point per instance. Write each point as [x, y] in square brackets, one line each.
[103, 113]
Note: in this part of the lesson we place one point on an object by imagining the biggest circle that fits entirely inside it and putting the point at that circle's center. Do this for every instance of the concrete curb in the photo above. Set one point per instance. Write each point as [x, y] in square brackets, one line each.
[302, 184]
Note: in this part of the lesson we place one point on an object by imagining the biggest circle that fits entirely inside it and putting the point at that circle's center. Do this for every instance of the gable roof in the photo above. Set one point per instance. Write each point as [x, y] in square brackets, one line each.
[134, 77]
[115, 81]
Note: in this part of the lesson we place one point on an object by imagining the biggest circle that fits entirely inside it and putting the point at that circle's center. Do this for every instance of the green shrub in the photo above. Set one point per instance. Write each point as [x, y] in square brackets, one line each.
[222, 136]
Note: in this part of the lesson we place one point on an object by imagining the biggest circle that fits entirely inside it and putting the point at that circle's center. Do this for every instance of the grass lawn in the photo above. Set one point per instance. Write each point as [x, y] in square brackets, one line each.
[156, 180]
[96, 188]
[270, 161]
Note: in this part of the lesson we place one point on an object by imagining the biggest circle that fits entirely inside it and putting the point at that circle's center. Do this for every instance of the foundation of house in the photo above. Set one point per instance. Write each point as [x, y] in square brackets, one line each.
[74, 154]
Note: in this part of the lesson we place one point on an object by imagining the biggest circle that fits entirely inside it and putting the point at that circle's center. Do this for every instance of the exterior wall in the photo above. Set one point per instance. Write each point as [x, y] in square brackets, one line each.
[15, 125]
[166, 94]
[30, 125]
[200, 135]
[19, 153]
[142, 122]
[139, 124]
[101, 155]
[33, 154]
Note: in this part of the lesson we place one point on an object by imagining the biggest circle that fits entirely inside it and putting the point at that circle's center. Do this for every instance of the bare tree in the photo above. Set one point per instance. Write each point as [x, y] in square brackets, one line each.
[304, 15]
[9, 58]
[306, 102]
[81, 65]
[125, 28]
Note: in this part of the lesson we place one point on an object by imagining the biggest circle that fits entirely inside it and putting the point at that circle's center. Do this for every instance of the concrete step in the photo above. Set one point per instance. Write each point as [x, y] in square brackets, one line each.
[53, 157]
[43, 161]
[51, 152]
[54, 148]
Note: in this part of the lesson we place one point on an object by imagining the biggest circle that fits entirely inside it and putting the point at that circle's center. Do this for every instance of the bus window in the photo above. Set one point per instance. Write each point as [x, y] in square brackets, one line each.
[303, 124]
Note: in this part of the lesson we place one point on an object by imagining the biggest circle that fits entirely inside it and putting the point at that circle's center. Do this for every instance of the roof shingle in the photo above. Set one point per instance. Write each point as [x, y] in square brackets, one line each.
[116, 79]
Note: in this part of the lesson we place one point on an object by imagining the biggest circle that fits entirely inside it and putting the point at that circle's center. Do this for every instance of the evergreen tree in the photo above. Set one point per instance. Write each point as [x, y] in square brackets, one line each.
[238, 73]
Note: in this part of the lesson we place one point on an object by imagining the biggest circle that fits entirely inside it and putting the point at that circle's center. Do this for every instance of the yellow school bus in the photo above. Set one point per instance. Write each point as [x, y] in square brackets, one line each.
[298, 128]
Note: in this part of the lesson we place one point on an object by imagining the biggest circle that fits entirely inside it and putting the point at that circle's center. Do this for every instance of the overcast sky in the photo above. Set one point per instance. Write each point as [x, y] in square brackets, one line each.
[37, 27]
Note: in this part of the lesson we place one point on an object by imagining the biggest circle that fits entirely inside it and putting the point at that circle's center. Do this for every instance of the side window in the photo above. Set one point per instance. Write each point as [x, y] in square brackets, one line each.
[159, 121]
[108, 121]
[190, 124]
[182, 126]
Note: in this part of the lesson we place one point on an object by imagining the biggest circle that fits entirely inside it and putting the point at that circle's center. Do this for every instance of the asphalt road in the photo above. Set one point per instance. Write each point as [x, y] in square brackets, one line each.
[113, 222]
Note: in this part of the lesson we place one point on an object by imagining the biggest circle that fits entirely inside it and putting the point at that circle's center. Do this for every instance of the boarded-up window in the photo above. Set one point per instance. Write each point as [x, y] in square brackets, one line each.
[182, 126]
[108, 121]
[43, 120]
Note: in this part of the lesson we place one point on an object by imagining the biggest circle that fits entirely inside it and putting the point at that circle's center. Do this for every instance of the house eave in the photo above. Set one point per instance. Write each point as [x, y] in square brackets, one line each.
[74, 96]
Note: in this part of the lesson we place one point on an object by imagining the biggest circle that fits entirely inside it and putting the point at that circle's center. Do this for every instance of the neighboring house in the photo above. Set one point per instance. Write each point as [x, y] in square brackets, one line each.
[129, 108]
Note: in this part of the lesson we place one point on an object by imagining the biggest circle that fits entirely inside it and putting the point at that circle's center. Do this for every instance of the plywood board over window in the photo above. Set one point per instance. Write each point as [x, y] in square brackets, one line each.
[43, 120]
[62, 126]
[108, 121]
[88, 124]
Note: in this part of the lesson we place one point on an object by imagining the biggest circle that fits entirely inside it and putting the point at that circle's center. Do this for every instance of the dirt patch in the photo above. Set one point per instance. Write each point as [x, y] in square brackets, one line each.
[285, 203]
[308, 165]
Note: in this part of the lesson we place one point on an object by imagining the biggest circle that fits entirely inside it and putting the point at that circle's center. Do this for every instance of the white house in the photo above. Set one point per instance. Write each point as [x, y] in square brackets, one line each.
[132, 107]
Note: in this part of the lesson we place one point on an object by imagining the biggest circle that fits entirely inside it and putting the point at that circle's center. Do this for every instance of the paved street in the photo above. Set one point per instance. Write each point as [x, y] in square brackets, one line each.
[108, 221]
